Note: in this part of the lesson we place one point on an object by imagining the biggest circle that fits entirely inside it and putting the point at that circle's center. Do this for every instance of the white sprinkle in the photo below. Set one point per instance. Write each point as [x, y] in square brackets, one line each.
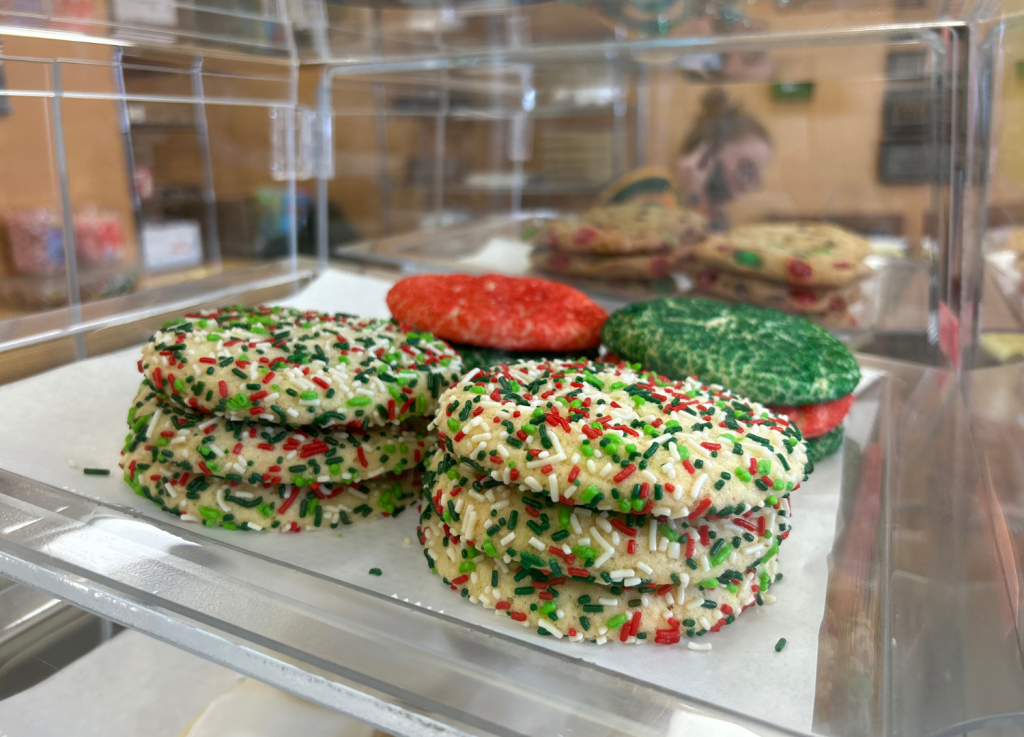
[537, 544]
[603, 523]
[645, 568]
[701, 646]
[652, 537]
[622, 573]
[661, 511]
[674, 550]
[608, 602]
[606, 470]
[220, 499]
[532, 483]
[553, 486]
[152, 424]
[704, 563]
[697, 486]
[574, 522]
[635, 581]
[550, 628]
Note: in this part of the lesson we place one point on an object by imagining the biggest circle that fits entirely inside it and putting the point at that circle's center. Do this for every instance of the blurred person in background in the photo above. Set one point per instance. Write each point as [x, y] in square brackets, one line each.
[722, 156]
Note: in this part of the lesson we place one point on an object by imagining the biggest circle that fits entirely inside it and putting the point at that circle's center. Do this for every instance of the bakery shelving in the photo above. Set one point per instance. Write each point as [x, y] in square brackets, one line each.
[921, 623]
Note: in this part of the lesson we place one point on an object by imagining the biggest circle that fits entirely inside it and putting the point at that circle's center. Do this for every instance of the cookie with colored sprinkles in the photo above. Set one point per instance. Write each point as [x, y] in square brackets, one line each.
[295, 368]
[644, 266]
[626, 549]
[257, 452]
[804, 254]
[756, 352]
[825, 445]
[631, 229]
[474, 357]
[542, 594]
[612, 438]
[217, 502]
[802, 300]
[495, 311]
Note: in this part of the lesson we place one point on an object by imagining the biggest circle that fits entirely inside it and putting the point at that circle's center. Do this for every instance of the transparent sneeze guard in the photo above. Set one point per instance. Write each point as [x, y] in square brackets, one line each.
[920, 624]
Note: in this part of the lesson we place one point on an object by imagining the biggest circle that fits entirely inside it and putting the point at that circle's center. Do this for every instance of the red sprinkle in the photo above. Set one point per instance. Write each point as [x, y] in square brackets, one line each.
[574, 473]
[711, 446]
[631, 547]
[501, 605]
[700, 509]
[624, 473]
[705, 538]
[689, 467]
[362, 457]
[460, 580]
[268, 377]
[223, 386]
[288, 502]
[623, 528]
[518, 616]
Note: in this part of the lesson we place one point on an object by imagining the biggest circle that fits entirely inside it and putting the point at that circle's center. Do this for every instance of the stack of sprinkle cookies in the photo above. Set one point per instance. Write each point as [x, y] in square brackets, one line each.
[597, 502]
[272, 418]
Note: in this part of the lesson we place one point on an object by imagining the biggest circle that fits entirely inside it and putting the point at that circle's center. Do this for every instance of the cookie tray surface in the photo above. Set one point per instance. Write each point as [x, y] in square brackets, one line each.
[303, 613]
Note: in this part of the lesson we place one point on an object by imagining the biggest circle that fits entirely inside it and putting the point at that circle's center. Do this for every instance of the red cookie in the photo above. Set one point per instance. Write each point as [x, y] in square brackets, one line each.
[495, 311]
[817, 419]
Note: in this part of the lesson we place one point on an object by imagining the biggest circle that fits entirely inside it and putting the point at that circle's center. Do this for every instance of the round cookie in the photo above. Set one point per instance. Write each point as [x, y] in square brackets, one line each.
[776, 295]
[475, 357]
[611, 438]
[556, 604]
[261, 453]
[495, 311]
[240, 506]
[616, 548]
[777, 358]
[645, 266]
[299, 368]
[644, 228]
[806, 254]
[825, 445]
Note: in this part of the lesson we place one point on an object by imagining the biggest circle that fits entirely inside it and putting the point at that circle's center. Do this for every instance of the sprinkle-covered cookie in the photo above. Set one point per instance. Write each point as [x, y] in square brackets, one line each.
[298, 368]
[241, 506]
[777, 358]
[496, 311]
[624, 229]
[807, 254]
[631, 550]
[474, 357]
[261, 453]
[802, 300]
[543, 594]
[644, 266]
[611, 438]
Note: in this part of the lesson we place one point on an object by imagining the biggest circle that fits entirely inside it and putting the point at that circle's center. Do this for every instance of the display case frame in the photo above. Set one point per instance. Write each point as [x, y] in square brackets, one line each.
[890, 661]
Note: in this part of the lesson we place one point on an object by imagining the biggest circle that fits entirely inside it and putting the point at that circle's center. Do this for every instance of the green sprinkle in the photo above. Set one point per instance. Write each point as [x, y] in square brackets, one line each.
[467, 566]
[742, 474]
[616, 621]
[780, 644]
[374, 571]
[709, 583]
[360, 401]
[96, 471]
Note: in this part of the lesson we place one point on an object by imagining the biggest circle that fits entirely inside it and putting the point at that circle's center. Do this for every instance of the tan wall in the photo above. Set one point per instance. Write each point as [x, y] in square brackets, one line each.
[95, 149]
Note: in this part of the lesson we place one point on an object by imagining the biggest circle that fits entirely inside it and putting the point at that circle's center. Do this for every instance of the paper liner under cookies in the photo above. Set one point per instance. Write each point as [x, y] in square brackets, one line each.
[242, 506]
[555, 604]
[631, 550]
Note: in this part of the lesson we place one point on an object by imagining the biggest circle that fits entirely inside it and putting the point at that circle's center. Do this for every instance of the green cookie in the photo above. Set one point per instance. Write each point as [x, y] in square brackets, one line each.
[763, 354]
[824, 445]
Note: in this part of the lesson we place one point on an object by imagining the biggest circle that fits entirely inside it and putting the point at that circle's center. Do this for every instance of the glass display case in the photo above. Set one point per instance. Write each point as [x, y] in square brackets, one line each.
[161, 157]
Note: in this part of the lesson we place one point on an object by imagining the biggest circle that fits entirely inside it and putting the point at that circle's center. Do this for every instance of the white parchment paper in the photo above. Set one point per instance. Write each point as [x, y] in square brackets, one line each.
[77, 414]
